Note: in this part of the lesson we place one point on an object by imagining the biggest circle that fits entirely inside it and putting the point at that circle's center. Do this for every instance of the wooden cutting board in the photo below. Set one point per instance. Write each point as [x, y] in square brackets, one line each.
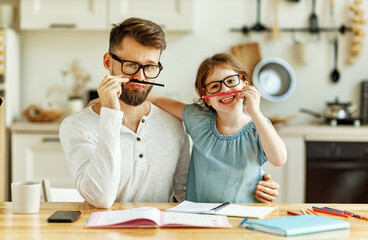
[248, 54]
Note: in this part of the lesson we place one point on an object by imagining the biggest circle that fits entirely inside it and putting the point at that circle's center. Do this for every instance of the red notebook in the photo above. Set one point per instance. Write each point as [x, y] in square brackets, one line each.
[153, 217]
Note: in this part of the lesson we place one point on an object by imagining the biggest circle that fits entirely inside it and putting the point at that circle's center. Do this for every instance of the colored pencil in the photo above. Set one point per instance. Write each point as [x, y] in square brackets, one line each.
[292, 213]
[245, 219]
[309, 211]
[312, 212]
[303, 211]
[349, 213]
[322, 210]
[220, 94]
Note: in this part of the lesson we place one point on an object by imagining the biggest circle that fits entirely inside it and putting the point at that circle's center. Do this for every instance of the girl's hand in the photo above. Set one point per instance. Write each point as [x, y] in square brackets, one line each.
[267, 190]
[253, 98]
[109, 91]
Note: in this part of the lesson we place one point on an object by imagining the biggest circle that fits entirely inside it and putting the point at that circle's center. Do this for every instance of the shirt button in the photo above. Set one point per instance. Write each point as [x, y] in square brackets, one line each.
[140, 155]
[138, 138]
[143, 120]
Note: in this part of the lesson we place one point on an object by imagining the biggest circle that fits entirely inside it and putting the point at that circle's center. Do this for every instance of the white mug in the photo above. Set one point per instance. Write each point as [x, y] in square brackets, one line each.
[26, 196]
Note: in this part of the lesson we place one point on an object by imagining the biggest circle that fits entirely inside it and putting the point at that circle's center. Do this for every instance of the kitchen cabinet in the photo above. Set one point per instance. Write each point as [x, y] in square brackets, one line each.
[101, 14]
[170, 15]
[49, 14]
[37, 154]
[293, 182]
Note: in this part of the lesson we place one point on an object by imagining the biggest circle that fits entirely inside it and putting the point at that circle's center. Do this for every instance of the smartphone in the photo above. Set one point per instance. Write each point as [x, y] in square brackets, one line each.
[64, 216]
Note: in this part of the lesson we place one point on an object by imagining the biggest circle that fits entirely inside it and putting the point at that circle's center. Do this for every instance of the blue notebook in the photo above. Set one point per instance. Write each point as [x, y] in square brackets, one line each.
[297, 225]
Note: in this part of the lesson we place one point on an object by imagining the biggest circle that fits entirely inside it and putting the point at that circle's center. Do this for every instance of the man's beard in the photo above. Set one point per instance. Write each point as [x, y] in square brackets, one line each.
[134, 97]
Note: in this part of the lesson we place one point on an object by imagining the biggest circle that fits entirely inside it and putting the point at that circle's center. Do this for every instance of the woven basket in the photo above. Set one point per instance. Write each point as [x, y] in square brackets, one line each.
[34, 113]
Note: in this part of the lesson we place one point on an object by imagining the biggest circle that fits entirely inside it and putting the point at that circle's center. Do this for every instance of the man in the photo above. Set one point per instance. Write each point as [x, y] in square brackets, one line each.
[123, 148]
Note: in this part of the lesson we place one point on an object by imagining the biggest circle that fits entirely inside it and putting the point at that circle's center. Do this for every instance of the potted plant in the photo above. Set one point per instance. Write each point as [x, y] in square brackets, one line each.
[77, 90]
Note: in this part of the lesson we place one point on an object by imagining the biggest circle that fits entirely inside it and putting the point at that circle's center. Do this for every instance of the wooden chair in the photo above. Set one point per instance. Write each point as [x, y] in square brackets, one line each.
[59, 194]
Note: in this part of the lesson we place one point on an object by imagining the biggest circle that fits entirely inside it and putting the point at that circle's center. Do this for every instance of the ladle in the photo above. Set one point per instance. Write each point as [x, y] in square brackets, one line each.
[335, 75]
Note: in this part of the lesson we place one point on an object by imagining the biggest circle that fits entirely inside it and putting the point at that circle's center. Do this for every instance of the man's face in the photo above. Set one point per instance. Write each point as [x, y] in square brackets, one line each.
[134, 94]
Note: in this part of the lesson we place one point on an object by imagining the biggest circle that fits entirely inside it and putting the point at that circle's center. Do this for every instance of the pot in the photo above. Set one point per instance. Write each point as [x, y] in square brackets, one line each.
[334, 111]
[274, 78]
[337, 110]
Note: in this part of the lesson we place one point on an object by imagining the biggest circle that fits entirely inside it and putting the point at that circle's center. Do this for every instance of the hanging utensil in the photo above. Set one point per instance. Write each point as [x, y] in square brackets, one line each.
[258, 27]
[313, 19]
[332, 23]
[276, 28]
[335, 75]
[333, 38]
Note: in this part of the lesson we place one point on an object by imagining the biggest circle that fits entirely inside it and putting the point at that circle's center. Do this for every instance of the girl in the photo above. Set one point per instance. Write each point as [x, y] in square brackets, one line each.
[229, 146]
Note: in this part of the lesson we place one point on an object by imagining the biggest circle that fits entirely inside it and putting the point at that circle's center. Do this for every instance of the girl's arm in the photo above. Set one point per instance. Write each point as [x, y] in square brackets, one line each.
[170, 105]
[272, 144]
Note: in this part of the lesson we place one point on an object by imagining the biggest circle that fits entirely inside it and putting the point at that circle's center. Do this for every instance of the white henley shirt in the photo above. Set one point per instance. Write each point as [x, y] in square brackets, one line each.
[109, 162]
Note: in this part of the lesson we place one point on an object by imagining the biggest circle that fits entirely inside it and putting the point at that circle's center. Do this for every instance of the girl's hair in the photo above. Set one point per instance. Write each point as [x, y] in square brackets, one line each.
[143, 31]
[207, 67]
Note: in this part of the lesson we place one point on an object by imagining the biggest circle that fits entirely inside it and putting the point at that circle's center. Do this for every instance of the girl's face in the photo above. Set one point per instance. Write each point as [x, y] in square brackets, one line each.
[224, 103]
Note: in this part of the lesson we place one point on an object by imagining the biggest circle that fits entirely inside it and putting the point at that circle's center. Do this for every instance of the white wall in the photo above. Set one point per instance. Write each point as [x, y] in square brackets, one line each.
[45, 53]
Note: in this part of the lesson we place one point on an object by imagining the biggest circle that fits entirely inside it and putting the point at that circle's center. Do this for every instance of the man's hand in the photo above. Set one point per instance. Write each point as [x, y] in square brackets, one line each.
[267, 190]
[109, 91]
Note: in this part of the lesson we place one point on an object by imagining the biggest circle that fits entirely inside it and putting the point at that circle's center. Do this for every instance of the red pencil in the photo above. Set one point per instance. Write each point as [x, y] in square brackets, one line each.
[292, 213]
[220, 94]
[330, 212]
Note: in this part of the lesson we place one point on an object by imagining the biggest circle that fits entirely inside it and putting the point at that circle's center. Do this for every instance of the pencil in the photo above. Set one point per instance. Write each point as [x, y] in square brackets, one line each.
[316, 209]
[143, 82]
[303, 211]
[292, 213]
[312, 212]
[245, 219]
[220, 94]
[309, 211]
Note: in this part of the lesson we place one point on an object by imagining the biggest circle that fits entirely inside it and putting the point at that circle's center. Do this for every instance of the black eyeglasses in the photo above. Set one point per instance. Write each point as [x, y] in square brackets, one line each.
[230, 81]
[130, 68]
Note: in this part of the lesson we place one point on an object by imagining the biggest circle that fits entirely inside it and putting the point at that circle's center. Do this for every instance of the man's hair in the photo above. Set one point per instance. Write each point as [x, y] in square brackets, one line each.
[207, 67]
[143, 31]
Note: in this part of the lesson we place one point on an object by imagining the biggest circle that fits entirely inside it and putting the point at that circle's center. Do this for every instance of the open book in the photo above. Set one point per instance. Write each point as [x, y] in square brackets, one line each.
[152, 217]
[232, 210]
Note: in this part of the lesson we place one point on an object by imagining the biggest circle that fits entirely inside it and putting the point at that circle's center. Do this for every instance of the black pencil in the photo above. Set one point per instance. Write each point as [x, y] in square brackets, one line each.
[143, 82]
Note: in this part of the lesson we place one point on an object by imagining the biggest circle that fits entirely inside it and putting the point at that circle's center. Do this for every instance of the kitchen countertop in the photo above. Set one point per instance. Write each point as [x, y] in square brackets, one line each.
[325, 132]
[33, 127]
[307, 131]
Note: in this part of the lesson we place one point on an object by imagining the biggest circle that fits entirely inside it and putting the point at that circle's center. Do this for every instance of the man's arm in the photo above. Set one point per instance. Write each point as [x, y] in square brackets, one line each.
[267, 190]
[181, 172]
[94, 163]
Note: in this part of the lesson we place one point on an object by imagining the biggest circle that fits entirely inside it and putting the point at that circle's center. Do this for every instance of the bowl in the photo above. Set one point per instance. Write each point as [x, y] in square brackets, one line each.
[274, 78]
[35, 113]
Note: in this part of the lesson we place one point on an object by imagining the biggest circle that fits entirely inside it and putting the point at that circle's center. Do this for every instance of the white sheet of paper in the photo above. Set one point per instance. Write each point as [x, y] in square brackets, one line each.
[230, 210]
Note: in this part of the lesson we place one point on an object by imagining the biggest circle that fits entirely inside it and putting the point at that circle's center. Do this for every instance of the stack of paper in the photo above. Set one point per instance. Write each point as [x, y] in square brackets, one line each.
[231, 210]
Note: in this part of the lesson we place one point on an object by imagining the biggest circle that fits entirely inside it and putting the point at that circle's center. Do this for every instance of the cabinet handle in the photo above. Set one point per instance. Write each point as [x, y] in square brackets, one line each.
[50, 139]
[62, 25]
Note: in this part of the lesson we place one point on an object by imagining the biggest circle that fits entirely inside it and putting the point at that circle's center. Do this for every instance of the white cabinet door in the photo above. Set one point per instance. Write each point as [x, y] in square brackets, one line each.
[291, 176]
[171, 15]
[78, 14]
[39, 156]
[295, 170]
